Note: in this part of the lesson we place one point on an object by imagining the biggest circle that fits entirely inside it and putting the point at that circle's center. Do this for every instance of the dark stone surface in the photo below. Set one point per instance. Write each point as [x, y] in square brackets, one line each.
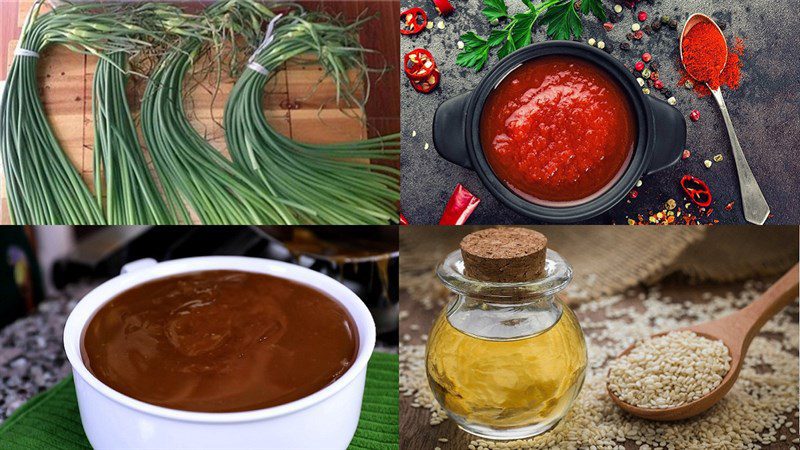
[765, 111]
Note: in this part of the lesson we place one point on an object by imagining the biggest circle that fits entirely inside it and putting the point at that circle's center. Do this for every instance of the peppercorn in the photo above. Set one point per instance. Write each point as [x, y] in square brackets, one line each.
[667, 93]
[654, 65]
[642, 16]
[653, 75]
[694, 115]
[646, 91]
[646, 57]
[607, 48]
[722, 26]
[686, 154]
[625, 46]
[638, 35]
[656, 25]
[629, 36]
[673, 24]
[647, 30]
[659, 84]
[639, 66]
[634, 193]
[665, 20]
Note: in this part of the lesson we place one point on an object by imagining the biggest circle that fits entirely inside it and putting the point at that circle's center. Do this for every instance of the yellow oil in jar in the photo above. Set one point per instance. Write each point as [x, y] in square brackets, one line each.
[507, 384]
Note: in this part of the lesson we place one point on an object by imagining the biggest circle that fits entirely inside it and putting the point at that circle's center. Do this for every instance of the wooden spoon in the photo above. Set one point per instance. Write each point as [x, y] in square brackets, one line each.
[736, 331]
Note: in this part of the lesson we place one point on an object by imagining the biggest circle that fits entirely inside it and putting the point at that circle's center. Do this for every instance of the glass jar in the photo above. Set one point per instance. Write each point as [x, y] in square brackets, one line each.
[506, 360]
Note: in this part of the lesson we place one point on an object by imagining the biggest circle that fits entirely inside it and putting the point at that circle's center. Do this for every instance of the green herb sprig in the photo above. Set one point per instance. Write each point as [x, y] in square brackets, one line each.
[559, 16]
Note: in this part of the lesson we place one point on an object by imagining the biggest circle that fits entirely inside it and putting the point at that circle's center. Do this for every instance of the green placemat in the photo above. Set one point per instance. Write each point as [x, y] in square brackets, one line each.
[51, 419]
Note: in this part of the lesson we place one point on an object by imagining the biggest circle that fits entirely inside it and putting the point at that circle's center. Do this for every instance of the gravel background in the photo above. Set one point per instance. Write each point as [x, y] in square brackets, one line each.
[32, 357]
[765, 111]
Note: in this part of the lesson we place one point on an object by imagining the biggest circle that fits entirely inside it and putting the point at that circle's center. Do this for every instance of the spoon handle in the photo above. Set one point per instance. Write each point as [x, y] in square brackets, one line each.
[780, 294]
[754, 204]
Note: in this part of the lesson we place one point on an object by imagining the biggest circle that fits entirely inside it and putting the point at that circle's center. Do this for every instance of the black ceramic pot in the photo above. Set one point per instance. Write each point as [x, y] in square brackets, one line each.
[660, 139]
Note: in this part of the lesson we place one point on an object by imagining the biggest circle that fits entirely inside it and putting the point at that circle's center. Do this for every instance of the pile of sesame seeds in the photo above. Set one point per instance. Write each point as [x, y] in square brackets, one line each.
[669, 370]
[759, 411]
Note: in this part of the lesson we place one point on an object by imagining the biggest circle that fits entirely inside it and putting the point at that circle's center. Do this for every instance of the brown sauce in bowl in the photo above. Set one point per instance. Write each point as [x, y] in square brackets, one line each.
[220, 341]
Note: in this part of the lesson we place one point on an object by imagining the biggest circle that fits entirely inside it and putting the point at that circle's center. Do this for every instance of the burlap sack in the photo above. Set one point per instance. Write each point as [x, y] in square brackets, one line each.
[609, 259]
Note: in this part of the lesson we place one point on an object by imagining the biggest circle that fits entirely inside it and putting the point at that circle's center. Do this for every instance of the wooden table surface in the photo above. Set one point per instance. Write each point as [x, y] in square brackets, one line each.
[415, 429]
[293, 105]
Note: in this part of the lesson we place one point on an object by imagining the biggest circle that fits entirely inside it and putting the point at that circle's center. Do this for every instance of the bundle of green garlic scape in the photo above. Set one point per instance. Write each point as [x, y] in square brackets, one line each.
[42, 185]
[273, 179]
[123, 182]
[317, 184]
[332, 182]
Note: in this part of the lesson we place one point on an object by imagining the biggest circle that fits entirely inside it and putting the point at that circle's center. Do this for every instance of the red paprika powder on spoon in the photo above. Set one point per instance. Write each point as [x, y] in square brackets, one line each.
[708, 61]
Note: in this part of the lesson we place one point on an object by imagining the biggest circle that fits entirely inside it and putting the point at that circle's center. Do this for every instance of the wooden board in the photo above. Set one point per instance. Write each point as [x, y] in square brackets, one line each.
[297, 104]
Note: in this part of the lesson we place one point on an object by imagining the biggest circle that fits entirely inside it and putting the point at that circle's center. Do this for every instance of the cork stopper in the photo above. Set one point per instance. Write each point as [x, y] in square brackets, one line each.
[504, 255]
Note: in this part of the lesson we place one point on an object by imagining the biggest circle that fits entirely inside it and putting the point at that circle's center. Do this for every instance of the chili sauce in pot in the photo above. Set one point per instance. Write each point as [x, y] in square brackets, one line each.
[558, 130]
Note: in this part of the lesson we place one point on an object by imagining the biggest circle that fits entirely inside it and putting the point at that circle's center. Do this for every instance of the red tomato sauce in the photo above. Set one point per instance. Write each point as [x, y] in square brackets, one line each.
[558, 129]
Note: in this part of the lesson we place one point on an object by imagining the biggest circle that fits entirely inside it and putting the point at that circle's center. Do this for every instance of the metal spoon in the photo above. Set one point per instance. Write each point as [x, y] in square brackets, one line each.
[754, 204]
[736, 331]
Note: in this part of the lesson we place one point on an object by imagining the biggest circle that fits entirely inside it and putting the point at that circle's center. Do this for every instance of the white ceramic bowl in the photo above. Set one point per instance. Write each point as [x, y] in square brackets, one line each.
[324, 419]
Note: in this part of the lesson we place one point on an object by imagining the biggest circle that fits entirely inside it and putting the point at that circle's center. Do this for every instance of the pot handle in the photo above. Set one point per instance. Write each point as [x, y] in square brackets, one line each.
[670, 135]
[449, 135]
[137, 265]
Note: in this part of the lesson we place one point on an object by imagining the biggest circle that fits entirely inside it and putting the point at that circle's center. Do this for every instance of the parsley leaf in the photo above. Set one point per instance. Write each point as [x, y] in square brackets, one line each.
[507, 48]
[595, 7]
[523, 25]
[562, 21]
[475, 53]
[495, 10]
[561, 17]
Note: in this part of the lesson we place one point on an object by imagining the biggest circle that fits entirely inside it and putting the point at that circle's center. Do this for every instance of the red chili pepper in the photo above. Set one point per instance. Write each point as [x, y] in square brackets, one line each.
[697, 190]
[444, 7]
[403, 220]
[460, 206]
[427, 85]
[413, 21]
[418, 64]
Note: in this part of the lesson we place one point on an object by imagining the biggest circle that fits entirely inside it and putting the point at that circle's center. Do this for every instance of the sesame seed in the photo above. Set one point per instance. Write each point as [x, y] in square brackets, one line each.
[679, 367]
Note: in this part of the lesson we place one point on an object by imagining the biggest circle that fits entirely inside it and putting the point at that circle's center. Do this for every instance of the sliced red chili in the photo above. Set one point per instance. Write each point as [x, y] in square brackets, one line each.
[444, 7]
[460, 206]
[403, 220]
[418, 64]
[427, 85]
[413, 20]
[697, 190]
